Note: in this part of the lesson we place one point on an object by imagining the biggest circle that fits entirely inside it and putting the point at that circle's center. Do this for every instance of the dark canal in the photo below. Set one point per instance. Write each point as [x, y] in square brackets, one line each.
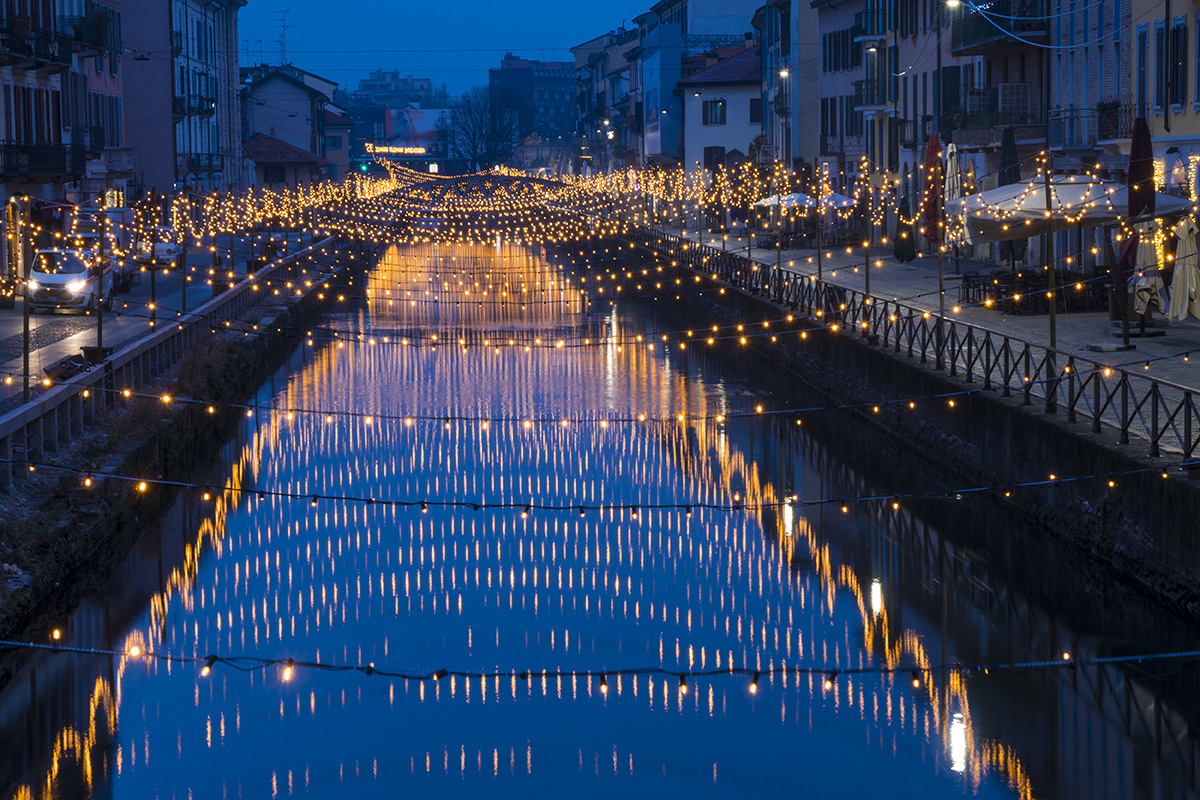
[509, 420]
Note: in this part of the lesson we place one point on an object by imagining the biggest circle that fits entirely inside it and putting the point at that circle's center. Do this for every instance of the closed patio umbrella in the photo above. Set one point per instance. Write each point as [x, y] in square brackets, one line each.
[1010, 173]
[932, 186]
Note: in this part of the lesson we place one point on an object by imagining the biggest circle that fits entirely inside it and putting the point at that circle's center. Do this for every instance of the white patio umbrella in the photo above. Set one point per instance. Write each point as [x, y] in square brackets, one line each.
[796, 199]
[1185, 286]
[953, 172]
[1018, 210]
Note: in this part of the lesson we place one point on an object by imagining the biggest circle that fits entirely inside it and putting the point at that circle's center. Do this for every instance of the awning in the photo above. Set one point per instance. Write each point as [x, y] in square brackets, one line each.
[1018, 210]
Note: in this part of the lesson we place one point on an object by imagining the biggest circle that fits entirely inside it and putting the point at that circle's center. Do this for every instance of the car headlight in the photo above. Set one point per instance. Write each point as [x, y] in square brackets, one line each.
[33, 286]
[76, 286]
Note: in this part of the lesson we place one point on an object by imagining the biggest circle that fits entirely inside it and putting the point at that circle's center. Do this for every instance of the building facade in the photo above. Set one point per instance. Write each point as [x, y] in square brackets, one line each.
[541, 92]
[789, 74]
[722, 110]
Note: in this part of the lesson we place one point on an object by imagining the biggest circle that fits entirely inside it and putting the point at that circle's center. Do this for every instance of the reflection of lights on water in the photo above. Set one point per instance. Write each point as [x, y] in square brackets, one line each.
[787, 518]
[958, 744]
[876, 595]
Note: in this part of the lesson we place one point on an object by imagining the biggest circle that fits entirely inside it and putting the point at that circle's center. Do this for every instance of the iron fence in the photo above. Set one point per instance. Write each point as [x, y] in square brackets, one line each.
[59, 416]
[1124, 404]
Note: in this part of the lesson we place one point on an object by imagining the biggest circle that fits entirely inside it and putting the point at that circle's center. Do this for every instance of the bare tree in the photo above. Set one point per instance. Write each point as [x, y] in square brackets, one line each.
[479, 133]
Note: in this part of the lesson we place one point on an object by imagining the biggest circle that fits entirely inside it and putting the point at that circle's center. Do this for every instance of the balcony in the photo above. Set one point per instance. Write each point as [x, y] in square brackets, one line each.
[914, 133]
[91, 34]
[980, 33]
[1114, 118]
[984, 114]
[870, 93]
[41, 161]
[838, 144]
[199, 163]
[1084, 128]
[179, 108]
[870, 25]
[198, 106]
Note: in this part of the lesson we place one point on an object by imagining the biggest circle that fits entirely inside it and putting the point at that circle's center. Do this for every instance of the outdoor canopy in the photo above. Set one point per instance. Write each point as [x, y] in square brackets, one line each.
[1018, 211]
[801, 200]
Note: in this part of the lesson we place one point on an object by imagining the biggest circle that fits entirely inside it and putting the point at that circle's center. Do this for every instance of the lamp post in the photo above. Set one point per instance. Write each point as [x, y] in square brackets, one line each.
[937, 124]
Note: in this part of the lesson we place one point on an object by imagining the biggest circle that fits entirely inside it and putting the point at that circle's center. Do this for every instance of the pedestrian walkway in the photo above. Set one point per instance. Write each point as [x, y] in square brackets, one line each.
[129, 318]
[916, 284]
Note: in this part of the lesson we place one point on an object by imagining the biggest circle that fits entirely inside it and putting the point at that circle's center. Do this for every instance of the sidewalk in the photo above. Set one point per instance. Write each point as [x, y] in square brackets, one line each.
[916, 284]
[129, 318]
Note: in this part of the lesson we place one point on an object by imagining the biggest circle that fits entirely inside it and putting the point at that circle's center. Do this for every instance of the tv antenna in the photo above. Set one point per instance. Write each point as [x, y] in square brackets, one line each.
[282, 40]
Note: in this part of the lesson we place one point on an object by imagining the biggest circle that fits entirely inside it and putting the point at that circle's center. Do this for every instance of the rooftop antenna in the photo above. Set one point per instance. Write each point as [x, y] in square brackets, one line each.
[282, 40]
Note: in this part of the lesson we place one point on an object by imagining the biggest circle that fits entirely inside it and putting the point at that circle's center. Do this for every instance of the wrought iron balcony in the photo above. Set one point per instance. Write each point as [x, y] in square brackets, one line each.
[92, 33]
[869, 24]
[199, 162]
[1084, 127]
[870, 92]
[45, 161]
[838, 144]
[993, 28]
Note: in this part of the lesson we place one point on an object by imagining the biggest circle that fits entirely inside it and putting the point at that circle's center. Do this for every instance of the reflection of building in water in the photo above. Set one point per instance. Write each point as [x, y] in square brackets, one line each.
[268, 575]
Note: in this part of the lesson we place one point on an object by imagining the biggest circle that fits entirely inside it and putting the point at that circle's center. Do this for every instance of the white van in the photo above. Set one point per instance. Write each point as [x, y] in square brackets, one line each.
[69, 279]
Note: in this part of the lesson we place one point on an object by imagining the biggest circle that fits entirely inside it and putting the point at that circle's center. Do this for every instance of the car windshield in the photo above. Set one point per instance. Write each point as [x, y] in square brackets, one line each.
[71, 262]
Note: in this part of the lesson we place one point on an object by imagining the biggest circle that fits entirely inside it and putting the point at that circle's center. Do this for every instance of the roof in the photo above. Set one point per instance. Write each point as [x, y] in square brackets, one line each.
[333, 120]
[255, 82]
[263, 149]
[745, 67]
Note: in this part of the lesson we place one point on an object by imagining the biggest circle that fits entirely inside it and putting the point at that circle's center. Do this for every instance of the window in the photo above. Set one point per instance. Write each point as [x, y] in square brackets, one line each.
[273, 173]
[1160, 65]
[714, 158]
[1141, 70]
[333, 142]
[755, 110]
[332, 169]
[1177, 54]
[1196, 96]
[714, 112]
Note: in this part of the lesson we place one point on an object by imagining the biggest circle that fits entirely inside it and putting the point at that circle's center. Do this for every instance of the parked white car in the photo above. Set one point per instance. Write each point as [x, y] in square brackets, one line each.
[161, 248]
[69, 279]
[125, 273]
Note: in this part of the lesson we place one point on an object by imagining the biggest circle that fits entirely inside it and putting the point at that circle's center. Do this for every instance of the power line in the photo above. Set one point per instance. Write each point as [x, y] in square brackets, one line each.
[919, 673]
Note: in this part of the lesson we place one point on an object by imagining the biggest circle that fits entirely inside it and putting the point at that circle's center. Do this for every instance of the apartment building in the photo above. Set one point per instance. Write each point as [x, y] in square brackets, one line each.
[722, 110]
[542, 92]
[181, 94]
[606, 129]
[789, 73]
[40, 157]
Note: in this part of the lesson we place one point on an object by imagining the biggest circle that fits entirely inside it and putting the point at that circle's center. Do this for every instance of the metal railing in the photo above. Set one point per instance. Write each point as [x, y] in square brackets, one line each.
[870, 22]
[870, 92]
[45, 160]
[1126, 405]
[59, 416]
[978, 32]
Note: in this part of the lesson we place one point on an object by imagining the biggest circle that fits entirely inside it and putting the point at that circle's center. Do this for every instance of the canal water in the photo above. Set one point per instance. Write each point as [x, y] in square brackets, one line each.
[840, 605]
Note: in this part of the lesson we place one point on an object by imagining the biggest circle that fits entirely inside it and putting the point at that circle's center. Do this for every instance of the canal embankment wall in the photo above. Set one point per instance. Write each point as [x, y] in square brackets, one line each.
[1043, 431]
[57, 535]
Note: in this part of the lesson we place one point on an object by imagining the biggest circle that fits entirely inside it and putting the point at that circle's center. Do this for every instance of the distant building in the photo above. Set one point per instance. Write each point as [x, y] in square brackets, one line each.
[386, 88]
[790, 90]
[183, 122]
[722, 110]
[337, 145]
[281, 103]
[676, 38]
[542, 92]
[279, 165]
[604, 127]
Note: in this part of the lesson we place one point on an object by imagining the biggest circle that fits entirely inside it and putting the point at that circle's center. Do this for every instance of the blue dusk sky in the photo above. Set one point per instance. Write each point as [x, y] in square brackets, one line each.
[454, 43]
